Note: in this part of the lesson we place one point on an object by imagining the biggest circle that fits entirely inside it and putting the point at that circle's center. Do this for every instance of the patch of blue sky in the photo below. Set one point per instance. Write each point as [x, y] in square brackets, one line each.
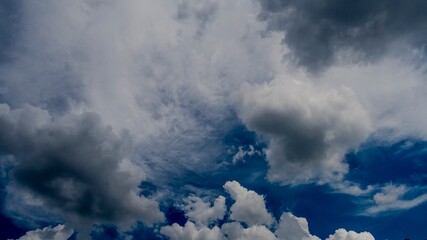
[401, 162]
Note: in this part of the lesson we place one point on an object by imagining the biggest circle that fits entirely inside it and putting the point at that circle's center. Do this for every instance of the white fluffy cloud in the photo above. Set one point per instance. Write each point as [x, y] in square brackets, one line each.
[60, 232]
[191, 232]
[249, 207]
[310, 127]
[289, 227]
[201, 212]
[342, 234]
[236, 231]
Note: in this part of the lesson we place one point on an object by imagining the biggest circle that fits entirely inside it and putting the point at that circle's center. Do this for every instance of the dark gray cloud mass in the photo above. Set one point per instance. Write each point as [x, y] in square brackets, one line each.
[316, 31]
[309, 129]
[73, 164]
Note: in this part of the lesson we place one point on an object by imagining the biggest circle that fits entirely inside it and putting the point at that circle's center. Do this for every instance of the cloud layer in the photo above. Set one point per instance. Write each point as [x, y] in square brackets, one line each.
[96, 96]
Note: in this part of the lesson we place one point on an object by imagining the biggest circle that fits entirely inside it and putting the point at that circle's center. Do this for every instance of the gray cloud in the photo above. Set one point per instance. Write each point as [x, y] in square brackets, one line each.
[202, 11]
[145, 61]
[294, 228]
[309, 128]
[318, 31]
[74, 164]
[8, 21]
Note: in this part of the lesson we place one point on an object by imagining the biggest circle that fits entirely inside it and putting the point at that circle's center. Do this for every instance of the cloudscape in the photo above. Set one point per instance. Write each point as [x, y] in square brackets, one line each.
[213, 119]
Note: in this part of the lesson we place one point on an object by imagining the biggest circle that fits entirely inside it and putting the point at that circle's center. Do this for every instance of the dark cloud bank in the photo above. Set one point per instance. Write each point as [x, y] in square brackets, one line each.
[317, 31]
[73, 164]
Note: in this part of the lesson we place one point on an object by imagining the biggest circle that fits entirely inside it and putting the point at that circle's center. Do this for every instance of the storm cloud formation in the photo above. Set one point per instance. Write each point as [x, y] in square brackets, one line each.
[310, 128]
[74, 164]
[318, 32]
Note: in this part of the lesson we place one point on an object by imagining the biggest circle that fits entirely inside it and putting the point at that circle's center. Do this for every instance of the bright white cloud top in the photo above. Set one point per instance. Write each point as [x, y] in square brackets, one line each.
[249, 209]
[59, 232]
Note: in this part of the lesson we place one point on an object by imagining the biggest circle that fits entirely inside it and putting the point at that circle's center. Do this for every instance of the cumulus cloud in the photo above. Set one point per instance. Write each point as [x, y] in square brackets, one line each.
[318, 33]
[60, 232]
[294, 228]
[202, 212]
[289, 226]
[249, 207]
[236, 231]
[191, 232]
[309, 127]
[342, 234]
[74, 164]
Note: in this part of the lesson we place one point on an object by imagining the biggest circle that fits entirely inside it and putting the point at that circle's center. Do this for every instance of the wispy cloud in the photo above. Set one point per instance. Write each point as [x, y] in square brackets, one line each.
[392, 198]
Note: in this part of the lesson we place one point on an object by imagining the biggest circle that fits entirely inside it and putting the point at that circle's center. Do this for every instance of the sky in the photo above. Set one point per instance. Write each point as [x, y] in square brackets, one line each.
[213, 119]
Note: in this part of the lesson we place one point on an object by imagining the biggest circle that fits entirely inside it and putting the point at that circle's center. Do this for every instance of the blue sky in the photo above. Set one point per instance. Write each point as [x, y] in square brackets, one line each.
[213, 119]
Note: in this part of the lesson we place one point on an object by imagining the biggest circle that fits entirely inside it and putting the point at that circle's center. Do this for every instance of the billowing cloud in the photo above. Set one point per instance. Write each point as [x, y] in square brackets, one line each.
[249, 207]
[201, 212]
[289, 227]
[236, 231]
[74, 164]
[191, 232]
[294, 228]
[320, 33]
[59, 232]
[310, 128]
[342, 234]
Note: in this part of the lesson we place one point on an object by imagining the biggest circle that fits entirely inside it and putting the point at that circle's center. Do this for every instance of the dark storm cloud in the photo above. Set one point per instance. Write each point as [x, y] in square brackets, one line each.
[73, 164]
[315, 31]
